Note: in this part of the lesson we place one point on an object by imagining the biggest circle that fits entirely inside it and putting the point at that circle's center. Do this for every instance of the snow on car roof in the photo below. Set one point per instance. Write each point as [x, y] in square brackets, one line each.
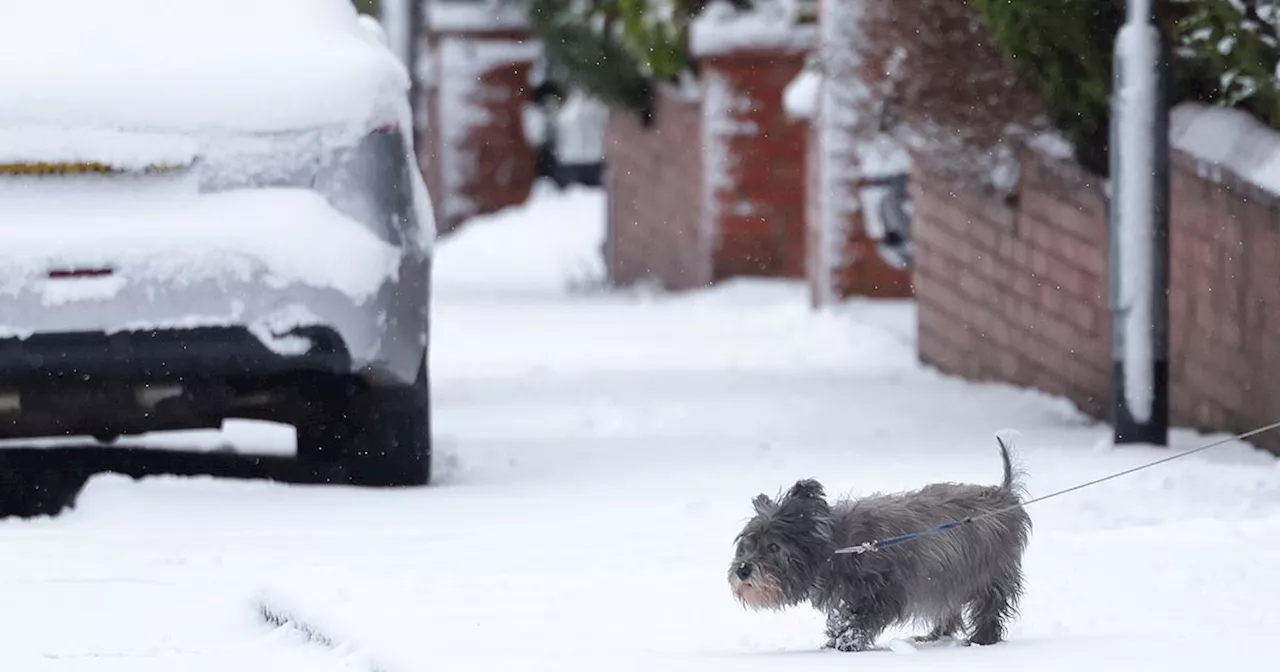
[254, 65]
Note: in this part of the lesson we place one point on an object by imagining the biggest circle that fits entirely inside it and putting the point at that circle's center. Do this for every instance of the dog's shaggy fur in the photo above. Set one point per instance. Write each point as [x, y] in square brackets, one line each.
[969, 577]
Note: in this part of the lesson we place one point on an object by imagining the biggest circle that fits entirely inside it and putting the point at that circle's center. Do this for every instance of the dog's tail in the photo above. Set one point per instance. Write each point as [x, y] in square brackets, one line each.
[1013, 474]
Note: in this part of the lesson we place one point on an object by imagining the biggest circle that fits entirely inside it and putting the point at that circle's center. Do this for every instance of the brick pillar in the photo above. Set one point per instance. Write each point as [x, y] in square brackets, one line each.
[655, 196]
[753, 208]
[474, 85]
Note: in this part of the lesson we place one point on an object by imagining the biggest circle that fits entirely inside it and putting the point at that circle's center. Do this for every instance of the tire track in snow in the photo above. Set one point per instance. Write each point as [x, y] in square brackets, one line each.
[277, 617]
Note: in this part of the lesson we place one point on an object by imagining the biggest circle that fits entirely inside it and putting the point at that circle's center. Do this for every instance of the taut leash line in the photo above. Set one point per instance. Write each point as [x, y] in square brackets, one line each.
[870, 546]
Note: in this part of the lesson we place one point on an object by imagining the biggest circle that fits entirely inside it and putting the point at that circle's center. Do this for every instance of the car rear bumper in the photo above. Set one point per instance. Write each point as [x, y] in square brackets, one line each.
[201, 353]
[224, 325]
[92, 383]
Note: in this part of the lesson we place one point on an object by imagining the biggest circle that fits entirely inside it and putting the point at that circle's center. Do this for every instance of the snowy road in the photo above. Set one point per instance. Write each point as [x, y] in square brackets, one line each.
[598, 453]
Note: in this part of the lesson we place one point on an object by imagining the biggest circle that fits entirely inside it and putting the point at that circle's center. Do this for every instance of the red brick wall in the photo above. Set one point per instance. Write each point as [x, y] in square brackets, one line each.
[1224, 304]
[498, 158]
[1018, 292]
[758, 213]
[654, 181]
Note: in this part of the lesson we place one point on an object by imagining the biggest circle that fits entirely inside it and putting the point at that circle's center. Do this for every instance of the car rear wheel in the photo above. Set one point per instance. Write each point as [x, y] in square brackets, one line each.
[376, 436]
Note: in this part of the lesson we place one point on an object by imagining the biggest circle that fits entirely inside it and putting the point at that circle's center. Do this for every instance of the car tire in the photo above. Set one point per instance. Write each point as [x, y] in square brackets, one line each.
[373, 435]
[39, 487]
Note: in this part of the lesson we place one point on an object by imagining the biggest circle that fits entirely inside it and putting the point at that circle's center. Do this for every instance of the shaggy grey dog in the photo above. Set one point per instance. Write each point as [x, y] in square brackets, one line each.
[785, 556]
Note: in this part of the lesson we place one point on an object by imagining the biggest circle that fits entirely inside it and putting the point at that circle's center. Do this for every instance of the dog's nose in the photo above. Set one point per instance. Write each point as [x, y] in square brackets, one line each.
[744, 571]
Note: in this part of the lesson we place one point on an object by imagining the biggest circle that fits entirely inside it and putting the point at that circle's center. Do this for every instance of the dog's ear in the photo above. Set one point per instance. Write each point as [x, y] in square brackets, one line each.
[762, 504]
[806, 489]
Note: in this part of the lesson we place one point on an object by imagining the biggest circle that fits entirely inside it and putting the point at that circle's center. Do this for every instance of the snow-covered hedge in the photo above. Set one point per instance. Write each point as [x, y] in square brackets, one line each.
[1224, 53]
[1236, 42]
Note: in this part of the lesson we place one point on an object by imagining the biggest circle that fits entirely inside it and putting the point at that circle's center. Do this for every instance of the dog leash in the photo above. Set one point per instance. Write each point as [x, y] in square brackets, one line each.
[872, 546]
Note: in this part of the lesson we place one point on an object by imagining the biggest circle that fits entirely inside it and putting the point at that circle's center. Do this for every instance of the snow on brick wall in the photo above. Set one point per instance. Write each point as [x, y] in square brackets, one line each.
[481, 157]
[770, 26]
[1230, 139]
[724, 112]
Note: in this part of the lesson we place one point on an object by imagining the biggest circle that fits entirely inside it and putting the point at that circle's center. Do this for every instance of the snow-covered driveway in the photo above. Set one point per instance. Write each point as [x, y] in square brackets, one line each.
[597, 454]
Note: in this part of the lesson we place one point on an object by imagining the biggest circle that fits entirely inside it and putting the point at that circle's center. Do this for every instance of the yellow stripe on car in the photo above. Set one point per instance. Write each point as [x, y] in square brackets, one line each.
[79, 169]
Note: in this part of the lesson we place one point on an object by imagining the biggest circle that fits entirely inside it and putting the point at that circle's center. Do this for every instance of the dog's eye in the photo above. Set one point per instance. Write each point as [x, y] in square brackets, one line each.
[774, 548]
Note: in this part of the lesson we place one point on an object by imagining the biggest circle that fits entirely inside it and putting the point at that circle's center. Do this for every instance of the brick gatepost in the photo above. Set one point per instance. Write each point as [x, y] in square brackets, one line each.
[753, 186]
[474, 83]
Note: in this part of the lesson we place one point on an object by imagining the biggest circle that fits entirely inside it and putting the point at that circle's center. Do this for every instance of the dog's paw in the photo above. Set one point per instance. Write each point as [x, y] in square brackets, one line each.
[845, 645]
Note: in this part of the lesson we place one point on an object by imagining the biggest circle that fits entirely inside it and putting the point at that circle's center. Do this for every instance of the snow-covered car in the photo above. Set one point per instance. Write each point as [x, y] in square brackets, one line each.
[210, 209]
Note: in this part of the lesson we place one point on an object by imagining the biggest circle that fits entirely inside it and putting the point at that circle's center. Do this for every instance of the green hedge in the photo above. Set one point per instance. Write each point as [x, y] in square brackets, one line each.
[616, 49]
[1236, 52]
[1066, 45]
[583, 51]
[1220, 54]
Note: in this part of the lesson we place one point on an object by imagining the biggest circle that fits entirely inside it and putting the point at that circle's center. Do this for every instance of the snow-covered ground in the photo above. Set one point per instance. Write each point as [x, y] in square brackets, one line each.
[598, 452]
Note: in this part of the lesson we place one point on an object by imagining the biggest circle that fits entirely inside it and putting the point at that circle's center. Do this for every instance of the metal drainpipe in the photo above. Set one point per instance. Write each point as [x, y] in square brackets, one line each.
[1139, 225]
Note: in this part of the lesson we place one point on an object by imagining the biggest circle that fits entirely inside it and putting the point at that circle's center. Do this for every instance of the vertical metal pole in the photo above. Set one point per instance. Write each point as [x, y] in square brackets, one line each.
[416, 38]
[1139, 223]
[394, 16]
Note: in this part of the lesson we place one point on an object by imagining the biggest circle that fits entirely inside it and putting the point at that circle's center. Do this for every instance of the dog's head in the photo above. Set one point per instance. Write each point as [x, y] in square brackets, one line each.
[780, 549]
